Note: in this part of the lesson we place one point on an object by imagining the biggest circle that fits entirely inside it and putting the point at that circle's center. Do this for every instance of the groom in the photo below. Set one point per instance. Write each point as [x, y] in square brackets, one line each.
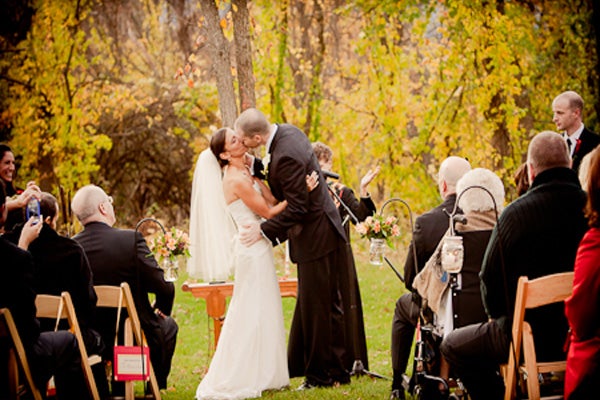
[318, 245]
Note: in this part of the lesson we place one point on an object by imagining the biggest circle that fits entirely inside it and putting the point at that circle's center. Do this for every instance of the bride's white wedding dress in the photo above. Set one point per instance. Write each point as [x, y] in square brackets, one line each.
[251, 353]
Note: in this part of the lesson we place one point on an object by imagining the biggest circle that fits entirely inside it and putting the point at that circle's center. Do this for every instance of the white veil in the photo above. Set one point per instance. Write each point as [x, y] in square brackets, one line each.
[211, 225]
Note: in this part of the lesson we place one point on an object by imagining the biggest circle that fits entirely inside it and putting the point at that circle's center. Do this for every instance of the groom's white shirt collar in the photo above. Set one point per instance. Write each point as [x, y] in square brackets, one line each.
[271, 136]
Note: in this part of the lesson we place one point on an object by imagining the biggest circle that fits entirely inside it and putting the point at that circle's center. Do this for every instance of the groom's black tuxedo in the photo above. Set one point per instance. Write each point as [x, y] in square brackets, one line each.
[317, 347]
[588, 141]
[311, 221]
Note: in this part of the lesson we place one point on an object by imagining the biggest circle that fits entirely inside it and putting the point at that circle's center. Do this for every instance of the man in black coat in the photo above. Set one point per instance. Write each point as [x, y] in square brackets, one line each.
[48, 353]
[536, 235]
[568, 108]
[120, 255]
[317, 348]
[429, 229]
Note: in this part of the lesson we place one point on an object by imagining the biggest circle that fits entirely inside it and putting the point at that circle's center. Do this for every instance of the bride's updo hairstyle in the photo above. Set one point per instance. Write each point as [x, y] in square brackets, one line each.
[217, 145]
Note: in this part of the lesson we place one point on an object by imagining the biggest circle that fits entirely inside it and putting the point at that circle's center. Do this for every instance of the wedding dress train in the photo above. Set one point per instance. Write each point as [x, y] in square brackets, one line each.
[251, 354]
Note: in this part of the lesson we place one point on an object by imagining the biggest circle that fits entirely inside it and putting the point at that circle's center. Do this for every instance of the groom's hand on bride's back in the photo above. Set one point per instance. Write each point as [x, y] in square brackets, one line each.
[250, 234]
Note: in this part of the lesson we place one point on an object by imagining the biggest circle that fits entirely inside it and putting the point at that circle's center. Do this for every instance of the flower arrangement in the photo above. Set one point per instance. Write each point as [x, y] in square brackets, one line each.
[379, 227]
[170, 245]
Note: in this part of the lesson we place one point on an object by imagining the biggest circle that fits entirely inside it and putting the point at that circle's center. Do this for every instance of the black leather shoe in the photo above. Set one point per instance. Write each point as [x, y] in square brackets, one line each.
[306, 385]
[397, 394]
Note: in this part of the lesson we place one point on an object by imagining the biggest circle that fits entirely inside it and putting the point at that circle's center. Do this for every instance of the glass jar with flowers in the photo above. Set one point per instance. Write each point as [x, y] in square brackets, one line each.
[379, 230]
[168, 248]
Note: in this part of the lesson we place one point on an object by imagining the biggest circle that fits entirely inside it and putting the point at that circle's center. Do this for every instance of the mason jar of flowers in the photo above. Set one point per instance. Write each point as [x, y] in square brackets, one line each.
[379, 230]
[168, 248]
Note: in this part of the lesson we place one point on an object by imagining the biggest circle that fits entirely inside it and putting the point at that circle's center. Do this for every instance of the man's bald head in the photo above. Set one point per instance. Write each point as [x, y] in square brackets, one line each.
[452, 169]
[91, 203]
[547, 150]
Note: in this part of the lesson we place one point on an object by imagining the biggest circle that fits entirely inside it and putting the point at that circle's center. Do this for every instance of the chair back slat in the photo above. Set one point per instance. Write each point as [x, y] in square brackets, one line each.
[108, 297]
[8, 328]
[534, 293]
[549, 289]
[61, 307]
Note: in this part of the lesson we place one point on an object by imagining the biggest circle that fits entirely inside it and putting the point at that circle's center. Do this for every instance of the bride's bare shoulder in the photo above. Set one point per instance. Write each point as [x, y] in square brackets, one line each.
[235, 177]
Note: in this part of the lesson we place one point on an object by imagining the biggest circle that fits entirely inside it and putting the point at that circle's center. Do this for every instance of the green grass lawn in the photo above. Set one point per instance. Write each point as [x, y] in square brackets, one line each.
[379, 289]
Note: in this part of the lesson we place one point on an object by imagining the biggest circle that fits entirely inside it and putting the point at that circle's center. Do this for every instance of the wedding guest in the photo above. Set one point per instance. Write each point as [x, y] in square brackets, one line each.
[429, 229]
[521, 179]
[536, 235]
[17, 197]
[60, 265]
[567, 108]
[48, 353]
[120, 255]
[584, 170]
[457, 300]
[583, 306]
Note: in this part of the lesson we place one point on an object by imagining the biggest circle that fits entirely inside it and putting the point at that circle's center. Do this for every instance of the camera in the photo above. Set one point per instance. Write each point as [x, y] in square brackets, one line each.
[33, 210]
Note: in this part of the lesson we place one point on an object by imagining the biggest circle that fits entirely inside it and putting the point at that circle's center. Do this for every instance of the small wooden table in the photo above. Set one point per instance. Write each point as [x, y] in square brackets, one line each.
[216, 295]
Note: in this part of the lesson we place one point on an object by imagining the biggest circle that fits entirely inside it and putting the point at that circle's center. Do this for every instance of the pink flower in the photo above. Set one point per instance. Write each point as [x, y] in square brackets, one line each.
[362, 228]
[377, 227]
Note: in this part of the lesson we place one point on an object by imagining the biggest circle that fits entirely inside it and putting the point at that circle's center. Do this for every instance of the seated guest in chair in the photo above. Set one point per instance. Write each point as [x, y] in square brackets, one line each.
[429, 229]
[583, 306]
[462, 305]
[61, 265]
[119, 255]
[536, 235]
[48, 353]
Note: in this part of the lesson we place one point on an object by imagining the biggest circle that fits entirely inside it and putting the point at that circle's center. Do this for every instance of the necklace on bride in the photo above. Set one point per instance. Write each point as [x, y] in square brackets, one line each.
[240, 166]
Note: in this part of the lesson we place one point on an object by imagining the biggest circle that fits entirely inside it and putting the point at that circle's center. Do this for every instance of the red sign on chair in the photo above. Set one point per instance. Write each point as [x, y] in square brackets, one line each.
[131, 363]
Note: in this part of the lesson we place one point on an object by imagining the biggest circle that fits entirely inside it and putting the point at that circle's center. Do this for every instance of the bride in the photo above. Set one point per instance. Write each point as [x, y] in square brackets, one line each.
[251, 353]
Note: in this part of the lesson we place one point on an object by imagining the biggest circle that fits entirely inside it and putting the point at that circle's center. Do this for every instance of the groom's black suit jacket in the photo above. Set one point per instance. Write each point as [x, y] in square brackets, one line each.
[589, 140]
[311, 221]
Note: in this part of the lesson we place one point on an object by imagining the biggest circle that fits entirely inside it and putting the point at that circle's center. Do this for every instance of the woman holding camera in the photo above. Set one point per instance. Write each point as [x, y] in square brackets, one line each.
[16, 198]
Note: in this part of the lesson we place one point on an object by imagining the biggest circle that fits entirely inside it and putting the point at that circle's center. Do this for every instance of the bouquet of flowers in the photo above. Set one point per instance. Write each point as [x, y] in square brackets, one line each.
[170, 245]
[379, 227]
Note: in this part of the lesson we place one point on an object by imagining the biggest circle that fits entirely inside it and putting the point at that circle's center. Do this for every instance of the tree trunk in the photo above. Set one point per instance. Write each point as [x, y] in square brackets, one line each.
[315, 94]
[278, 112]
[243, 54]
[596, 30]
[221, 67]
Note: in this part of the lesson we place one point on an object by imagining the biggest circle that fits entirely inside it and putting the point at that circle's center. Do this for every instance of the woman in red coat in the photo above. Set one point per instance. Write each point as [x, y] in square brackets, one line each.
[583, 307]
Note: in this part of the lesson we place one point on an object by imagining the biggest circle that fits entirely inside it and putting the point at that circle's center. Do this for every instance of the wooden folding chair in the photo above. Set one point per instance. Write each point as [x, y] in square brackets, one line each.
[61, 307]
[110, 296]
[532, 294]
[9, 330]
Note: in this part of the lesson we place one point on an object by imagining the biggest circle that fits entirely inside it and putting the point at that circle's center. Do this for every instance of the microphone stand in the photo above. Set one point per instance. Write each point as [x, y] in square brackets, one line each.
[348, 210]
[358, 368]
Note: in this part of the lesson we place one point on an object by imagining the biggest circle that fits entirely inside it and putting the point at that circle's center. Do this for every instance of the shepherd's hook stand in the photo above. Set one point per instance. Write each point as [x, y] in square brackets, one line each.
[137, 268]
[412, 230]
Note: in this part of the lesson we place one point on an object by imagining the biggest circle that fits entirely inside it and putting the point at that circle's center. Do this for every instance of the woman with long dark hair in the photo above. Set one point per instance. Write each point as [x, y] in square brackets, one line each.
[16, 198]
[583, 306]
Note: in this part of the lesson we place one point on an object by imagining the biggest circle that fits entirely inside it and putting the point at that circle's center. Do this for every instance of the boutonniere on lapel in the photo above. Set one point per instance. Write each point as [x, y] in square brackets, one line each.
[577, 144]
[266, 162]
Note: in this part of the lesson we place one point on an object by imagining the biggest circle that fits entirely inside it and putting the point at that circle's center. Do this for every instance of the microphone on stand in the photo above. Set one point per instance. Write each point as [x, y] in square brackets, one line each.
[329, 174]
